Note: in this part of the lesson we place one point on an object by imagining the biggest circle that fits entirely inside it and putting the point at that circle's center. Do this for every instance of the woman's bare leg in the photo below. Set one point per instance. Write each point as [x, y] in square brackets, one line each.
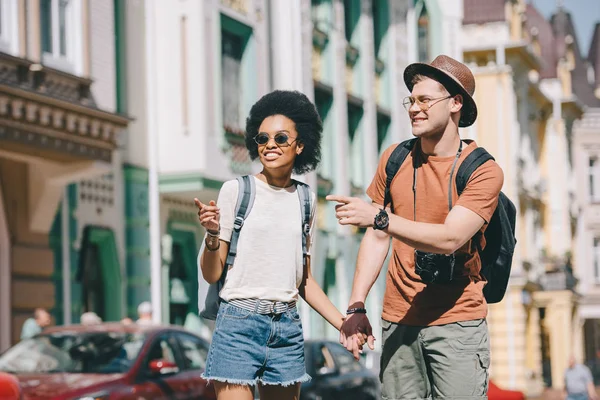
[228, 391]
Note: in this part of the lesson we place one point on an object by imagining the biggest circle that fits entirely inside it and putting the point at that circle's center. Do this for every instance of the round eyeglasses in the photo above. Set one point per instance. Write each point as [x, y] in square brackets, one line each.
[281, 139]
[424, 104]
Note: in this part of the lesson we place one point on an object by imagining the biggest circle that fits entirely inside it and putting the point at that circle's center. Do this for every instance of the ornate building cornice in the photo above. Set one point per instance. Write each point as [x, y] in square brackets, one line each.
[52, 113]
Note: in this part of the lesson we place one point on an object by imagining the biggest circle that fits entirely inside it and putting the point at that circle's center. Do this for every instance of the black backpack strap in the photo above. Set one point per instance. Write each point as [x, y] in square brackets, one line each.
[306, 209]
[246, 194]
[393, 165]
[474, 160]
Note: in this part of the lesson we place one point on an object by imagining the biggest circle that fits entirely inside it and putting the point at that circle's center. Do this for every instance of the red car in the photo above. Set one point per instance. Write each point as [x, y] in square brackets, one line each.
[495, 393]
[110, 361]
[9, 387]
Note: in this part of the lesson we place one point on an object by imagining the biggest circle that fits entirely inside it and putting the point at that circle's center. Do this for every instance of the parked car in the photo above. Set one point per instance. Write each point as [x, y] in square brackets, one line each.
[496, 393]
[9, 387]
[336, 374]
[110, 361]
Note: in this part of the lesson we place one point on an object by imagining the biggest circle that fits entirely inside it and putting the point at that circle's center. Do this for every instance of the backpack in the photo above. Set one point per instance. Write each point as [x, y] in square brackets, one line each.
[496, 257]
[245, 201]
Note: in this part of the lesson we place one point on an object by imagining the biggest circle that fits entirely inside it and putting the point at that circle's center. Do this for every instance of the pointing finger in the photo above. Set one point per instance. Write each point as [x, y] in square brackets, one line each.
[339, 199]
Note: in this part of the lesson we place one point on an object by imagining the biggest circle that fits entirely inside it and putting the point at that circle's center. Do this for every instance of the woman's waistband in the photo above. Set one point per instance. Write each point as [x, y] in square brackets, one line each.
[260, 306]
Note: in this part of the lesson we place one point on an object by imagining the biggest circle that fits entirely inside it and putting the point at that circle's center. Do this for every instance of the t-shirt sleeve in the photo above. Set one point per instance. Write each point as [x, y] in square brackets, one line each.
[482, 190]
[226, 201]
[376, 189]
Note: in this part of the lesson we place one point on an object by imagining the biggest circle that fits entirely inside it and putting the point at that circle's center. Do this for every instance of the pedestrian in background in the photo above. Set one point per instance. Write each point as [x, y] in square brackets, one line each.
[145, 314]
[90, 318]
[253, 344]
[35, 324]
[579, 384]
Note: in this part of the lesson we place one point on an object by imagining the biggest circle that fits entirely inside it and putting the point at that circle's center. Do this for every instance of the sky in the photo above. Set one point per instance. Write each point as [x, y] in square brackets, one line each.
[585, 15]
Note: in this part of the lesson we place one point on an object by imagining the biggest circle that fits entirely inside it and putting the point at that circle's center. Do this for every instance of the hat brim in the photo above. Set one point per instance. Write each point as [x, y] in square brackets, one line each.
[469, 110]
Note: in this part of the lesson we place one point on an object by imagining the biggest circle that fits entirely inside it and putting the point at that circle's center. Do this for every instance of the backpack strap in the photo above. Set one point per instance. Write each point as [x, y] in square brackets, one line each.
[306, 209]
[245, 200]
[474, 160]
[393, 165]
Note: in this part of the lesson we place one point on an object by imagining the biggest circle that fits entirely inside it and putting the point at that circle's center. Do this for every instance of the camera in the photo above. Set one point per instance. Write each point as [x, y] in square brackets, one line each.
[434, 268]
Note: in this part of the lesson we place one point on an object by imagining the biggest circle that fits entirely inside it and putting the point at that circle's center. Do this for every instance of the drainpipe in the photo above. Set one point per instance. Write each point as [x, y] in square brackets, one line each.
[153, 191]
[66, 257]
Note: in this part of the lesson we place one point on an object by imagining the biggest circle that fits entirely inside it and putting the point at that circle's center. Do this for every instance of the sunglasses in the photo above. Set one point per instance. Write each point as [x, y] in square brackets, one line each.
[281, 139]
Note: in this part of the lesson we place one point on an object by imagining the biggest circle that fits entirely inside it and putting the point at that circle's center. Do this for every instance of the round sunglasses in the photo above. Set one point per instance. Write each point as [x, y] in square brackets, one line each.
[281, 139]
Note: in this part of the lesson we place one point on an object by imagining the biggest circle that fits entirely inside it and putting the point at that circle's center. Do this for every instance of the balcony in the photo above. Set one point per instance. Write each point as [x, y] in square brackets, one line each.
[52, 114]
[562, 279]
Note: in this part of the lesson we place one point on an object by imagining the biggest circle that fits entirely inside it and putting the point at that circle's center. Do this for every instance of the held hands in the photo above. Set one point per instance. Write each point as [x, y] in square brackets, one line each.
[209, 215]
[355, 332]
[353, 211]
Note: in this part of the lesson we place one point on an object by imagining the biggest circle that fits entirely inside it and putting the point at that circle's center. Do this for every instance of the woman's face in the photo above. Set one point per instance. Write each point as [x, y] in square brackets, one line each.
[277, 142]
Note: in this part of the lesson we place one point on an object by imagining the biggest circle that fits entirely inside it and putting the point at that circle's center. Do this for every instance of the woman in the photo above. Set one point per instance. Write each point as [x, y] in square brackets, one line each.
[283, 131]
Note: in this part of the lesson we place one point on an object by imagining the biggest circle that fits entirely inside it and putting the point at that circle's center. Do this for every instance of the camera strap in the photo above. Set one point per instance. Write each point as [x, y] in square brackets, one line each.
[414, 187]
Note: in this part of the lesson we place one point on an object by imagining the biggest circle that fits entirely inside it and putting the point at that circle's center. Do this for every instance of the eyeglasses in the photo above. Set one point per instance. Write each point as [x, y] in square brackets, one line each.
[281, 139]
[424, 105]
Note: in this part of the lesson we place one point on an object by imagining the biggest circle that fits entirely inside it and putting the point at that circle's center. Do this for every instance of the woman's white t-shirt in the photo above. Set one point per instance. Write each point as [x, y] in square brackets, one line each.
[269, 261]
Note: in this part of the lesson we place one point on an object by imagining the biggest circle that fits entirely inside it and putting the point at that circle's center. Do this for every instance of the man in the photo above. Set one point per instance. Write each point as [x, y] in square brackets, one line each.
[579, 384]
[34, 325]
[90, 318]
[144, 314]
[435, 337]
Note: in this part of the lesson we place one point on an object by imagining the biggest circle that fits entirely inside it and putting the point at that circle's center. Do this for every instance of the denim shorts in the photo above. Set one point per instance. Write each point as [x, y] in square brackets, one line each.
[248, 347]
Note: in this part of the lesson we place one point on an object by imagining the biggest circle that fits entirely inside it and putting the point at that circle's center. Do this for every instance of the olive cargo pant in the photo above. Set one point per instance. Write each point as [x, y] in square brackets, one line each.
[435, 362]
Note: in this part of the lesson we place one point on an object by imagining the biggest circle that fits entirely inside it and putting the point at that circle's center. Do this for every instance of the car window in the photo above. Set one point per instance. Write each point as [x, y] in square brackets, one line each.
[74, 352]
[343, 359]
[162, 349]
[194, 352]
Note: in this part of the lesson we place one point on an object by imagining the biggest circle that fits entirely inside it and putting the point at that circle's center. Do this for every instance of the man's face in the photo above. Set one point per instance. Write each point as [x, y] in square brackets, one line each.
[431, 112]
[43, 319]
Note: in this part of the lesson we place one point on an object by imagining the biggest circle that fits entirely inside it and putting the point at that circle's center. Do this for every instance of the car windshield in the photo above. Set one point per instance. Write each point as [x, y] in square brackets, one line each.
[74, 352]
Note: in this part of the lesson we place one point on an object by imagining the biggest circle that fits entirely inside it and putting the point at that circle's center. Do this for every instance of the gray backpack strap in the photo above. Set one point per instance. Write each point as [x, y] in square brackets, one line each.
[306, 209]
[246, 194]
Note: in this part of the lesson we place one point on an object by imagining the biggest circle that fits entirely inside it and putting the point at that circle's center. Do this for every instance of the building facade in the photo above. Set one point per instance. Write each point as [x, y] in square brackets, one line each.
[586, 149]
[58, 127]
[529, 64]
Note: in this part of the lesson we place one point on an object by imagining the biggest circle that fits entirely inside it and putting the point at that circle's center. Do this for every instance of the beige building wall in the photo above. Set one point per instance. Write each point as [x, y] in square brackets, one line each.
[32, 263]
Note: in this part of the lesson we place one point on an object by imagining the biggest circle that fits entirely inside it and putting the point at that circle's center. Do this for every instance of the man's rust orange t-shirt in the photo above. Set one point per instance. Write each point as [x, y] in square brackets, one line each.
[407, 299]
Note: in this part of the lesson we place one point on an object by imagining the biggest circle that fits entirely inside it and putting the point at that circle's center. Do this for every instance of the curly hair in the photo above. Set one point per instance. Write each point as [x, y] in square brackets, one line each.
[297, 107]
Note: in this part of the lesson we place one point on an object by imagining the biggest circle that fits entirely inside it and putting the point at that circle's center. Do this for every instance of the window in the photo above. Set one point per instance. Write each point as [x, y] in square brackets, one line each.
[381, 15]
[596, 257]
[231, 63]
[194, 352]
[351, 16]
[594, 180]
[383, 126]
[162, 349]
[9, 40]
[59, 36]
[423, 35]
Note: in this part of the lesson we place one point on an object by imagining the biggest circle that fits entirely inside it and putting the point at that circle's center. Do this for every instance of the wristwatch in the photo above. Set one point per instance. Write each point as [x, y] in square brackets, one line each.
[382, 220]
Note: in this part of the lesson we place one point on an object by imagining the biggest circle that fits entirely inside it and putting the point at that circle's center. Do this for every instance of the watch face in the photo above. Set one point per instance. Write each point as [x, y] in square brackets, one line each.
[381, 219]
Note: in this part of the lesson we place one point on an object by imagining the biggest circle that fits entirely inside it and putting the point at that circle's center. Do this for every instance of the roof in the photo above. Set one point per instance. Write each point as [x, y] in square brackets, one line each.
[594, 53]
[564, 31]
[480, 12]
[110, 327]
[540, 26]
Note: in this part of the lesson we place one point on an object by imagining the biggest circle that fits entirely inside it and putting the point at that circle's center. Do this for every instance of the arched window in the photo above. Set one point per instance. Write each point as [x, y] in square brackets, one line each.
[423, 35]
